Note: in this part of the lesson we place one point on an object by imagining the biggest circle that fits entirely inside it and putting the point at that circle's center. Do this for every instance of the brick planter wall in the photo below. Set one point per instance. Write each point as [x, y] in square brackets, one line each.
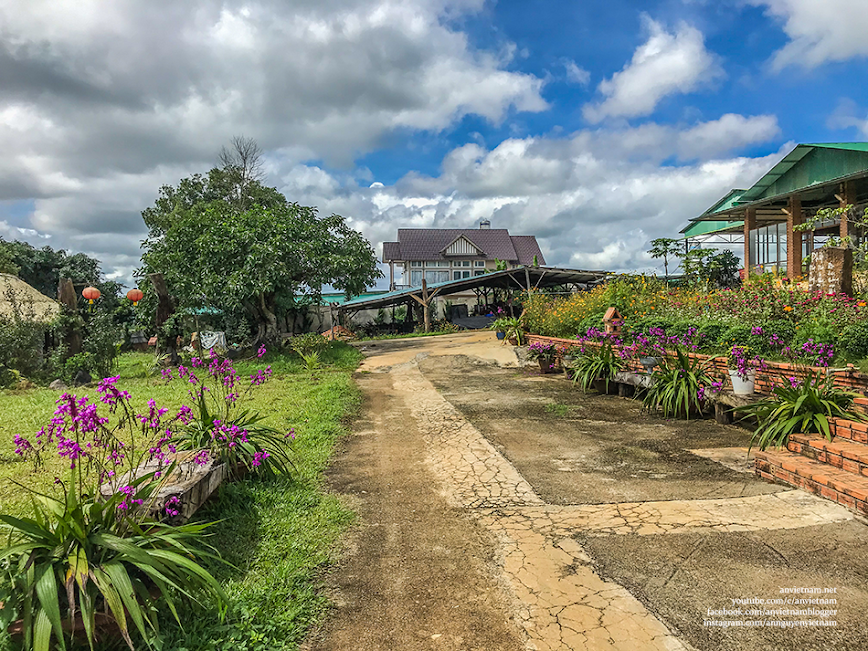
[777, 372]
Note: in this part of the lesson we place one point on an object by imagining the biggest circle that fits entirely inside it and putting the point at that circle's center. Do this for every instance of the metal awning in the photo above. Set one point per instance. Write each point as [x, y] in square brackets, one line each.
[519, 278]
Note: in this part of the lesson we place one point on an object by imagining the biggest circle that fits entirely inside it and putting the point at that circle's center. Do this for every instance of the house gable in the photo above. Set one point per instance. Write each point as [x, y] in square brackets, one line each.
[462, 246]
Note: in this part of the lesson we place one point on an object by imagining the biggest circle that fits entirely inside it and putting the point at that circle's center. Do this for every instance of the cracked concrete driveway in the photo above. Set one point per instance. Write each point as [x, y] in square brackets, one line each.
[504, 510]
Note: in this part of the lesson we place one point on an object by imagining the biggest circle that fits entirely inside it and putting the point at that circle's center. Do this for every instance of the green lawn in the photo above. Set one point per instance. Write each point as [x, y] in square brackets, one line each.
[276, 535]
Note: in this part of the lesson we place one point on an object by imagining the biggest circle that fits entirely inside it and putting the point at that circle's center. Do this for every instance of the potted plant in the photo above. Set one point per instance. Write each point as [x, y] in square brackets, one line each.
[742, 370]
[545, 353]
[500, 326]
[513, 330]
[597, 367]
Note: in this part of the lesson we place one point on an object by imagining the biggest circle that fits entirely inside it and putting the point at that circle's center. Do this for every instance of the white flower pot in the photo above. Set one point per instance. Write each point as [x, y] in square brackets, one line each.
[742, 387]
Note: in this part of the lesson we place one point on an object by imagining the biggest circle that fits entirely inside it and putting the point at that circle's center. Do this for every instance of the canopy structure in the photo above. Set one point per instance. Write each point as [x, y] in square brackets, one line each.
[524, 278]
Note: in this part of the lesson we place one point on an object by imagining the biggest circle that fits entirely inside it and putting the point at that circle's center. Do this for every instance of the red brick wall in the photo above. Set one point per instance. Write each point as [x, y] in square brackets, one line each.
[777, 372]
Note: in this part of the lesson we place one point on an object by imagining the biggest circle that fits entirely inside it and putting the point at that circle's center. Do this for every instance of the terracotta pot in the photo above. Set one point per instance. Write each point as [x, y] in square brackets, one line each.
[513, 341]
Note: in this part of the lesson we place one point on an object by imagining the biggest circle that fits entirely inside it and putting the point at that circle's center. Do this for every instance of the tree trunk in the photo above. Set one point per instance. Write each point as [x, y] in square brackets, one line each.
[270, 333]
[165, 309]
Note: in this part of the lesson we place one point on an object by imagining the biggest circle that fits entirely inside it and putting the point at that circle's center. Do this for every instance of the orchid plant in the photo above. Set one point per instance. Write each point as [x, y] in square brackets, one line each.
[96, 550]
[219, 425]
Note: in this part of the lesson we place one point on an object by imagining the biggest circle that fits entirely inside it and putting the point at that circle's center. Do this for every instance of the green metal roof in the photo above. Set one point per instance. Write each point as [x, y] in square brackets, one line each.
[697, 228]
[727, 202]
[809, 165]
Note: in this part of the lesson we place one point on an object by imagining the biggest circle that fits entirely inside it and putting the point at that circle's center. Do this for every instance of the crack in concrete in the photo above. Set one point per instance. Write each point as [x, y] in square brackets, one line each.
[559, 600]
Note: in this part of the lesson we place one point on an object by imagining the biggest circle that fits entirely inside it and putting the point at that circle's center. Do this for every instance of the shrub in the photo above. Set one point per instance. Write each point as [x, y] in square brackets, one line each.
[77, 363]
[308, 343]
[854, 341]
[22, 336]
[597, 364]
[678, 386]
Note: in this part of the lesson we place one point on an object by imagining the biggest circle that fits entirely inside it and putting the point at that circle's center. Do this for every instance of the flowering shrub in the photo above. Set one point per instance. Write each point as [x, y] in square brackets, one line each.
[89, 550]
[544, 350]
[747, 316]
[218, 424]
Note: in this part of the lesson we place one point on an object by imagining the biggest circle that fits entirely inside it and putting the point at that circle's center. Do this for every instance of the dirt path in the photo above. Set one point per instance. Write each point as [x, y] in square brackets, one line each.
[420, 574]
[504, 510]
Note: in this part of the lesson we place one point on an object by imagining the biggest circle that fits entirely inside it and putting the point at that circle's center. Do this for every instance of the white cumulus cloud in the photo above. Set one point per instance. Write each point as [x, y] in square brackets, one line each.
[819, 30]
[666, 64]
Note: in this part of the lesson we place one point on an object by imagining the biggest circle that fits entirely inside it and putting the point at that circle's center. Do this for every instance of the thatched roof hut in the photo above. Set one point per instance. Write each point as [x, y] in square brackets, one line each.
[31, 304]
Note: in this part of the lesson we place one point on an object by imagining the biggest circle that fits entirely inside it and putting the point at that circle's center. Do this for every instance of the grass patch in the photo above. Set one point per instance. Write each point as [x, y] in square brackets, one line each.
[557, 409]
[276, 535]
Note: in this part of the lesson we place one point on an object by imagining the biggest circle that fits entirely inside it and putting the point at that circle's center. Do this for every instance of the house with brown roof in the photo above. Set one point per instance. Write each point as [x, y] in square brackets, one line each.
[442, 254]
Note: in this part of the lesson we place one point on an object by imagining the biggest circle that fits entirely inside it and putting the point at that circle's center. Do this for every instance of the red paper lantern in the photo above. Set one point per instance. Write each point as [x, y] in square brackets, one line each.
[135, 295]
[91, 294]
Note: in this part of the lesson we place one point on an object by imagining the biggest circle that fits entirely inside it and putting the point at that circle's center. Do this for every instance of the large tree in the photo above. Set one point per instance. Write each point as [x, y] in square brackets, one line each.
[249, 249]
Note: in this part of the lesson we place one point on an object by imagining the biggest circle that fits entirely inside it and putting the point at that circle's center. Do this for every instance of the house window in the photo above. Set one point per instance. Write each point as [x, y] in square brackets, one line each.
[436, 276]
[415, 278]
[466, 263]
[415, 264]
[437, 263]
[479, 263]
[478, 272]
[459, 275]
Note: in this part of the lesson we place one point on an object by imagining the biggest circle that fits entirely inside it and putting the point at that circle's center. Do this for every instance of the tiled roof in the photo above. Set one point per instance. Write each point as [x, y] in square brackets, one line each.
[428, 244]
[527, 247]
[391, 251]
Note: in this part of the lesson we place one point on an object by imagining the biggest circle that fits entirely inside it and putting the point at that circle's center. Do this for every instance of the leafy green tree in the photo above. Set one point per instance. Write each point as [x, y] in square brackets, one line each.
[7, 259]
[43, 269]
[261, 260]
[666, 248]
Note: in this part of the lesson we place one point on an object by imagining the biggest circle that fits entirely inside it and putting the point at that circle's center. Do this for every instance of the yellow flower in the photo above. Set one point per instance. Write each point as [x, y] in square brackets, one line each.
[788, 309]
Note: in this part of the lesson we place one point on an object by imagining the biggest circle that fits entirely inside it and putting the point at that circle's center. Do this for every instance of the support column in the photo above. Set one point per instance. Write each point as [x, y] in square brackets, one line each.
[426, 311]
[391, 276]
[847, 198]
[749, 225]
[794, 238]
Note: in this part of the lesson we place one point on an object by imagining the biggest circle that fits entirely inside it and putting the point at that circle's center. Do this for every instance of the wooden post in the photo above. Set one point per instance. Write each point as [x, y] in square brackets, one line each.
[391, 275]
[749, 225]
[527, 280]
[847, 198]
[426, 306]
[69, 299]
[794, 238]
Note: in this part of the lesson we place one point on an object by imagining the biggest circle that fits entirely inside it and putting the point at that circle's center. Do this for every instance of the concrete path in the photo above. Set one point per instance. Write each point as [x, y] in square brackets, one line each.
[543, 570]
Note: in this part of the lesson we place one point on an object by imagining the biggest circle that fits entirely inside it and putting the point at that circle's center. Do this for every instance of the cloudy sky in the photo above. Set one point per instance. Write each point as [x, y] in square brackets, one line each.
[594, 125]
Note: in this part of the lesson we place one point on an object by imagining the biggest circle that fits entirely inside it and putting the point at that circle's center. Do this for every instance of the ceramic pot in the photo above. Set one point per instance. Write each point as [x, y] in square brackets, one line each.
[546, 366]
[501, 335]
[648, 363]
[742, 387]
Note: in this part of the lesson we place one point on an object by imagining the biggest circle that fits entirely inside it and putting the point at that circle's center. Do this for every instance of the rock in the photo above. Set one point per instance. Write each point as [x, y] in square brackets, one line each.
[81, 378]
[831, 271]
[58, 385]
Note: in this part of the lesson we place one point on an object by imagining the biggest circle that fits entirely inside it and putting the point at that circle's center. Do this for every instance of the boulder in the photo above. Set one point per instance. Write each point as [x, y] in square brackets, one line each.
[58, 385]
[82, 378]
